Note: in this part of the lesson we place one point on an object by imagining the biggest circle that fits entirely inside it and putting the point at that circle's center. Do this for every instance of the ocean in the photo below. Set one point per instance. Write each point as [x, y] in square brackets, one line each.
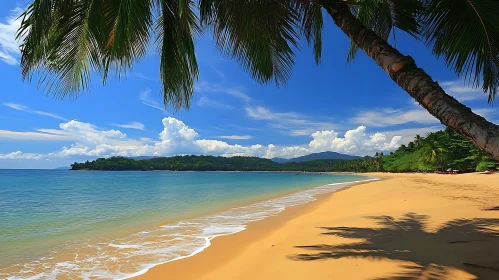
[115, 225]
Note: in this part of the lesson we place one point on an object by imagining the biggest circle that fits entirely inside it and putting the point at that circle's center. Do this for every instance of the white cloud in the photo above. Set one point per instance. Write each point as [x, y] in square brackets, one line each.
[485, 112]
[409, 133]
[145, 77]
[236, 92]
[146, 99]
[218, 72]
[24, 108]
[389, 117]
[176, 129]
[9, 46]
[178, 138]
[235, 137]
[261, 113]
[461, 91]
[132, 125]
[414, 113]
[354, 142]
[30, 135]
[291, 123]
[21, 155]
[206, 102]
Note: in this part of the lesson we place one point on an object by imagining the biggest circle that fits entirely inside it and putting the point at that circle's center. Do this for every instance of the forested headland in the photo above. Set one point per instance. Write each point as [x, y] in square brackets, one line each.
[438, 151]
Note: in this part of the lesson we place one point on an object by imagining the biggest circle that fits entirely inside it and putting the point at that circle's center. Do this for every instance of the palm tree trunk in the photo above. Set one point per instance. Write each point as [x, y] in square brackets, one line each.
[415, 81]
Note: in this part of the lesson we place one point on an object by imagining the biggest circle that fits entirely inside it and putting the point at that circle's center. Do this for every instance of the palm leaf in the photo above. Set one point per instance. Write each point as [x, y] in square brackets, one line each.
[259, 34]
[128, 25]
[64, 40]
[384, 17]
[175, 29]
[466, 34]
[69, 45]
[311, 25]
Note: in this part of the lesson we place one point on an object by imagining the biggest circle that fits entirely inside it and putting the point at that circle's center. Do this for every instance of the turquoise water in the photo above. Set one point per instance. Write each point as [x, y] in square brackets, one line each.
[108, 225]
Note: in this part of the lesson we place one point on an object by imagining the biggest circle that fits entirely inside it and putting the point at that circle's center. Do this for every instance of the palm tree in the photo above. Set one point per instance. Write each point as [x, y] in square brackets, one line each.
[64, 40]
[434, 155]
[418, 141]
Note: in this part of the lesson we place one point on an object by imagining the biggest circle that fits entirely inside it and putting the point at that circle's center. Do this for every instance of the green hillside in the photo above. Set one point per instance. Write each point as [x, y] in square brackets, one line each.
[438, 151]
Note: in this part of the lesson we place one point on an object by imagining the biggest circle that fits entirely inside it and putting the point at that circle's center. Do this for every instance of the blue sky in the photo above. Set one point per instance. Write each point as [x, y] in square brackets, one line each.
[354, 109]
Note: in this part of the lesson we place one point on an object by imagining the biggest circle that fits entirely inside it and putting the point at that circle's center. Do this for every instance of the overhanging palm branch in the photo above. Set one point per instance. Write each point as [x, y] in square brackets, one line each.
[65, 40]
[466, 34]
[259, 34]
[312, 23]
[175, 29]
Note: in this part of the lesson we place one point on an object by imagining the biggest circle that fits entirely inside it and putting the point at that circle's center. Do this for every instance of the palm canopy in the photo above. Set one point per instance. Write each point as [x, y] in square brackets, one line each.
[64, 41]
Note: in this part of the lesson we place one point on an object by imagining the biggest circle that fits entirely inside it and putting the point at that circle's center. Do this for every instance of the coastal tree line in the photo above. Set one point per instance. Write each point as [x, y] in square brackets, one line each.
[237, 163]
[437, 151]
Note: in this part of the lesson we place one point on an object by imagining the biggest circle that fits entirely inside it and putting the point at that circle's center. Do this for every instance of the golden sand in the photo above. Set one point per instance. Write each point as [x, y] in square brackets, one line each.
[407, 226]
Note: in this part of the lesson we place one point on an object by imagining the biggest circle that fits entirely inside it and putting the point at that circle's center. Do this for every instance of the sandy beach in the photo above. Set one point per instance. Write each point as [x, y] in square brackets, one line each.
[406, 226]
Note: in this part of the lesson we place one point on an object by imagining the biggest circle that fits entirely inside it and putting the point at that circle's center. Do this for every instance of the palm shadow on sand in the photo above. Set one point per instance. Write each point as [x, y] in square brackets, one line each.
[469, 245]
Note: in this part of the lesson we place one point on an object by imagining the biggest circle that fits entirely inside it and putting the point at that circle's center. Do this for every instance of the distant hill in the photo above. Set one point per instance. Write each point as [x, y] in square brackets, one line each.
[237, 163]
[280, 160]
[323, 155]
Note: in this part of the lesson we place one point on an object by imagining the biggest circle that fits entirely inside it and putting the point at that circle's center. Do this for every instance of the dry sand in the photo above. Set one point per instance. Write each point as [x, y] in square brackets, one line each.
[407, 226]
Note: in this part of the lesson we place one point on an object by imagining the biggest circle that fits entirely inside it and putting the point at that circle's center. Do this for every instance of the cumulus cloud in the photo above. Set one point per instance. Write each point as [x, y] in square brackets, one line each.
[178, 138]
[9, 46]
[355, 141]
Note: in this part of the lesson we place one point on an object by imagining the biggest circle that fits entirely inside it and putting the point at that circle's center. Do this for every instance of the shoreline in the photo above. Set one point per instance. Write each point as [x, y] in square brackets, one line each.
[176, 239]
[267, 222]
[268, 242]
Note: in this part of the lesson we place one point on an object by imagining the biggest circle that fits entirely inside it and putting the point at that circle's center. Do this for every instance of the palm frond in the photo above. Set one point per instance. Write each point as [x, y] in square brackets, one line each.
[312, 23]
[65, 40]
[384, 16]
[176, 28]
[128, 25]
[466, 34]
[35, 27]
[64, 51]
[259, 34]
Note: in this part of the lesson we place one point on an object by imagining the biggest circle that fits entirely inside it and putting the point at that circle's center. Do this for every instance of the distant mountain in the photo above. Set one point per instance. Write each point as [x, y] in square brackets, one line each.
[280, 160]
[323, 155]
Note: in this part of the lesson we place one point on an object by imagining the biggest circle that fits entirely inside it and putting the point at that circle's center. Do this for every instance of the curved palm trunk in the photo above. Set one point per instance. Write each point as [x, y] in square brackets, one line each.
[403, 70]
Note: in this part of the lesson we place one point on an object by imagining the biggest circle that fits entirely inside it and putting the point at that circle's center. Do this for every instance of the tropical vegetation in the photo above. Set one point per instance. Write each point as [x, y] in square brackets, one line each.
[63, 41]
[440, 150]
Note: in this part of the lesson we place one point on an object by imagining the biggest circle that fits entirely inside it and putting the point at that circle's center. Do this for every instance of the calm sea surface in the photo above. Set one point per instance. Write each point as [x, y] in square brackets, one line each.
[107, 225]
